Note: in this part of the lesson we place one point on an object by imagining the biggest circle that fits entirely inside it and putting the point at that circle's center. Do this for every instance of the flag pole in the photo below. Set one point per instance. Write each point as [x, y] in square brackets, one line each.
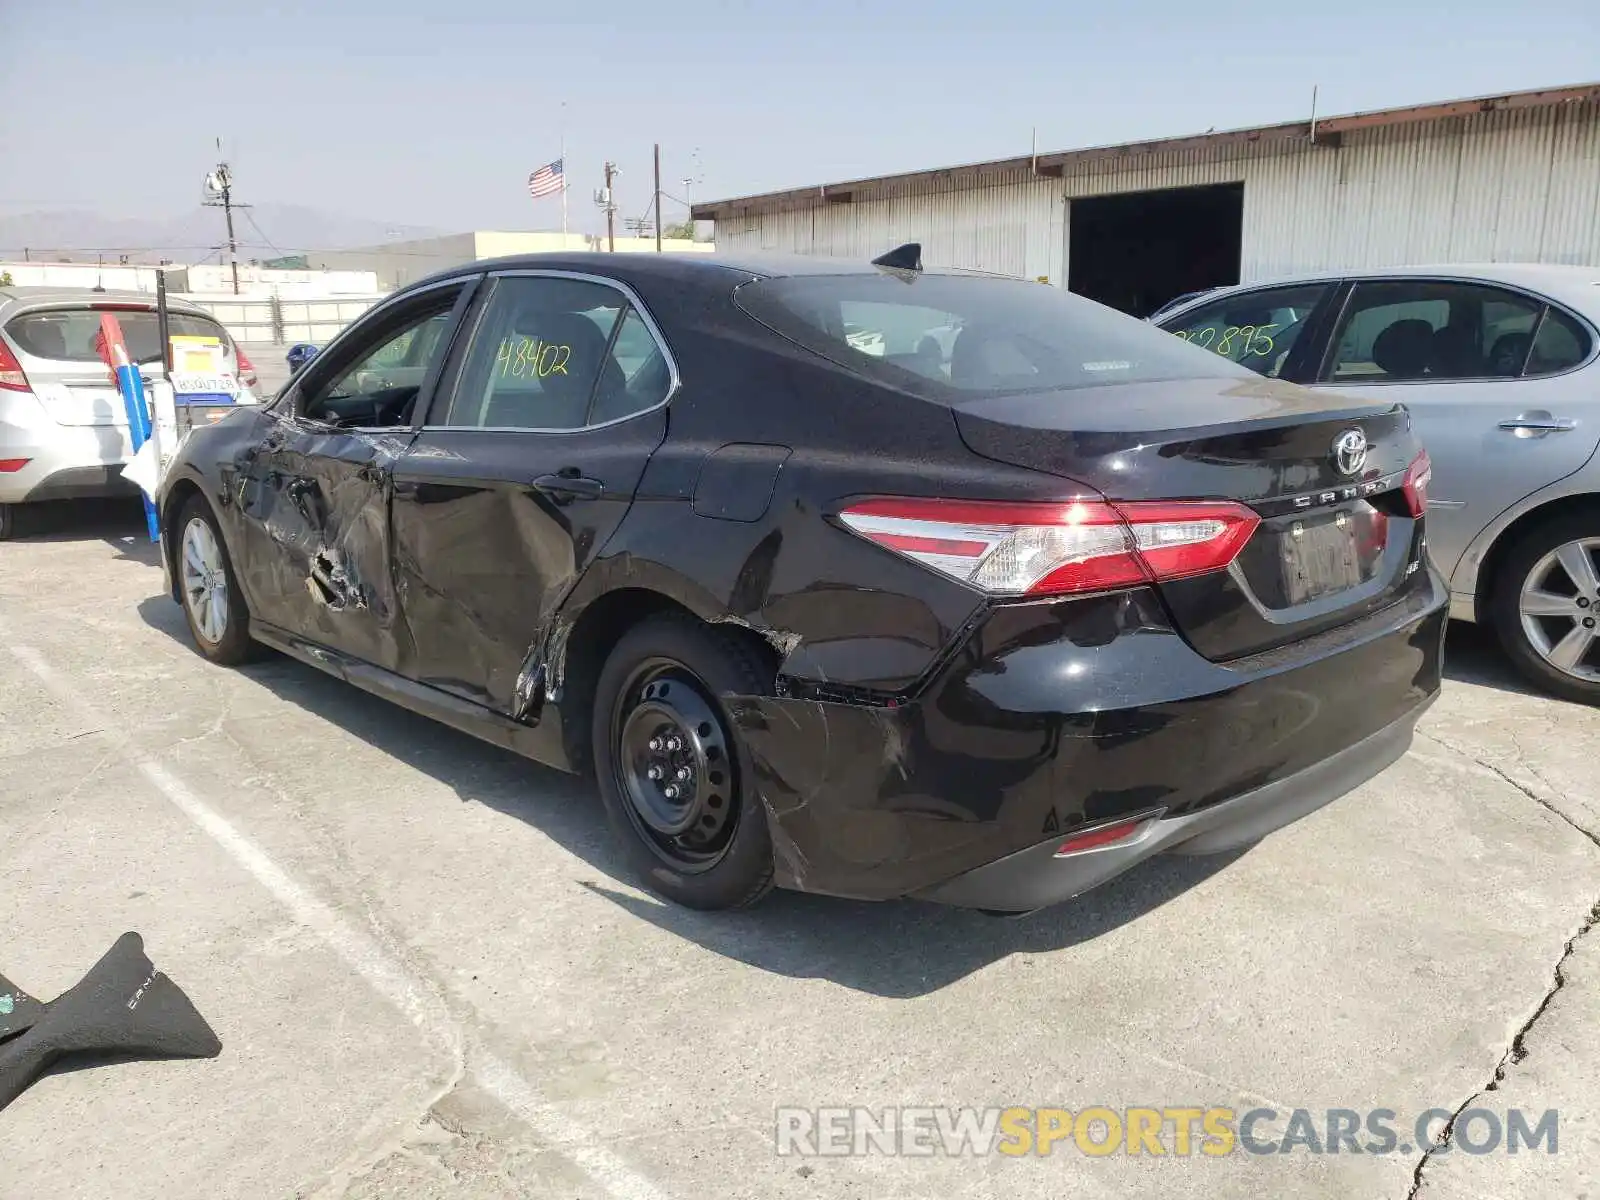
[563, 175]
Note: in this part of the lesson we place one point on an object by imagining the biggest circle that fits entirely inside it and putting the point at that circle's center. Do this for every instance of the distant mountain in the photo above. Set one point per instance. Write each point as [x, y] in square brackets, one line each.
[263, 231]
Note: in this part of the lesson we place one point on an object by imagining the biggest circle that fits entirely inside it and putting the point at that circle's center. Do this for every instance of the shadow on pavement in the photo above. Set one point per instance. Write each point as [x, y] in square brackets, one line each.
[897, 949]
[119, 523]
[1472, 654]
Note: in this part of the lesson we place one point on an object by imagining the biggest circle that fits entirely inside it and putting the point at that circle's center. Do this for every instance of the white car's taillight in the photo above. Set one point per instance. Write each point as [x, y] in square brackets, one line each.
[1030, 549]
[11, 376]
[247, 370]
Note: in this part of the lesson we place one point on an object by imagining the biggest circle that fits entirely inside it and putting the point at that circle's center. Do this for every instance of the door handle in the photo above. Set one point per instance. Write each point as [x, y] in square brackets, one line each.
[567, 485]
[1538, 424]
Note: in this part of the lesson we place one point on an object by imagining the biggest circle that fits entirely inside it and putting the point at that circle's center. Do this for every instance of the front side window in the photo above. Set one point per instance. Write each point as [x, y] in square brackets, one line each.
[1256, 330]
[1424, 331]
[954, 338]
[554, 353]
[379, 386]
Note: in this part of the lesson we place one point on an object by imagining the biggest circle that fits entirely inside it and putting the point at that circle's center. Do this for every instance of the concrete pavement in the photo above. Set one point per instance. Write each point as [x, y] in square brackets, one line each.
[432, 975]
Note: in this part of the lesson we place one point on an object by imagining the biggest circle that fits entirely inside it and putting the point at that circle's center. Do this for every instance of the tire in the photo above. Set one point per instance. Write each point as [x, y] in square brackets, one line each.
[661, 684]
[1533, 563]
[8, 522]
[231, 644]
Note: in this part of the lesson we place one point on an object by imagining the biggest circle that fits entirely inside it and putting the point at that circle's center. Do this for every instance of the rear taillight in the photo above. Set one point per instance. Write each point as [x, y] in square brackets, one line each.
[11, 376]
[1048, 549]
[9, 465]
[1418, 475]
[247, 369]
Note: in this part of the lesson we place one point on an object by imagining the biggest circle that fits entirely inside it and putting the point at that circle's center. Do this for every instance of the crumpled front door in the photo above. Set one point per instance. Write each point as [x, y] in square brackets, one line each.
[314, 502]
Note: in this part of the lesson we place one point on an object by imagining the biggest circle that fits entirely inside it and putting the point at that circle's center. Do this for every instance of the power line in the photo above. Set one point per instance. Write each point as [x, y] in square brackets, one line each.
[261, 231]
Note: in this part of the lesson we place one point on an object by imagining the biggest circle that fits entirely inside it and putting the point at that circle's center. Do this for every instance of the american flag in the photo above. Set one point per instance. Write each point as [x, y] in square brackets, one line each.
[547, 180]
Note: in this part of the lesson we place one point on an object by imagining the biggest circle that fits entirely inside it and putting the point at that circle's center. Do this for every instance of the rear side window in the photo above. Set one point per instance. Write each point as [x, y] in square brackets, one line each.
[1560, 345]
[1256, 330]
[67, 334]
[1419, 330]
[955, 337]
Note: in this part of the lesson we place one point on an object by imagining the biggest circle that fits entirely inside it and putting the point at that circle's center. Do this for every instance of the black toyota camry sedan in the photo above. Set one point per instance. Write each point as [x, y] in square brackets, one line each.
[855, 578]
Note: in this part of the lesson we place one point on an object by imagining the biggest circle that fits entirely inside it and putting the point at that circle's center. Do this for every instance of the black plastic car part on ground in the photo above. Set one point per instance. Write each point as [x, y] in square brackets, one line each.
[123, 1008]
[869, 581]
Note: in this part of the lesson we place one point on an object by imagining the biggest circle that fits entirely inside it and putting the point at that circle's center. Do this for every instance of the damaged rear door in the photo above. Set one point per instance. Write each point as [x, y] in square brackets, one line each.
[527, 463]
[314, 492]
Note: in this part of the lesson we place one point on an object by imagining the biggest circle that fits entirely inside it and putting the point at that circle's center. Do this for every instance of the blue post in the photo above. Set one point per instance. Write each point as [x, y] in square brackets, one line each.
[131, 385]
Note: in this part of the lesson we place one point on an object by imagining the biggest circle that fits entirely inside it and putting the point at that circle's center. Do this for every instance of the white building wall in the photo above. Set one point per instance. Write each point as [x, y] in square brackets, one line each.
[1515, 185]
[1011, 224]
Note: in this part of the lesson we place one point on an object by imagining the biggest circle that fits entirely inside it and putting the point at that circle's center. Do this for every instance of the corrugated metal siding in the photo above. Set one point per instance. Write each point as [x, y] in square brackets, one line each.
[1010, 224]
[1515, 185]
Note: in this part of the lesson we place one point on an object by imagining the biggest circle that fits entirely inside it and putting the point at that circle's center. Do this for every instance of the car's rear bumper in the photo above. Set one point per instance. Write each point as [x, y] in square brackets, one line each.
[1057, 717]
[78, 483]
[1036, 877]
[62, 461]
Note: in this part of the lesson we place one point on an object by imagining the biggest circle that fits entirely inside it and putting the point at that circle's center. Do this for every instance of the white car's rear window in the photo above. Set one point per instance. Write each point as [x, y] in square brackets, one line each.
[68, 334]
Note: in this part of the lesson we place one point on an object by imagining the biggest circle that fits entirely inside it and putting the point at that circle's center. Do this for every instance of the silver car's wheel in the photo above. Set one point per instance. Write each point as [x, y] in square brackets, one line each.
[1559, 606]
[205, 581]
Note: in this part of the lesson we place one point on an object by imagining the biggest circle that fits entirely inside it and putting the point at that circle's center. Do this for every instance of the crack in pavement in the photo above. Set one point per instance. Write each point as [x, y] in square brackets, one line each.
[1515, 1053]
[1502, 774]
[1518, 1049]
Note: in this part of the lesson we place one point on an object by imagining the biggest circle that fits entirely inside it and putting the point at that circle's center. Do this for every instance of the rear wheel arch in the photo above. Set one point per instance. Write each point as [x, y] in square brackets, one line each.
[601, 624]
[1559, 509]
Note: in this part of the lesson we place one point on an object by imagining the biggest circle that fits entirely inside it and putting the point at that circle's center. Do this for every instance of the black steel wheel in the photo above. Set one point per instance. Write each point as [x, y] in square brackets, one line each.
[674, 767]
[670, 767]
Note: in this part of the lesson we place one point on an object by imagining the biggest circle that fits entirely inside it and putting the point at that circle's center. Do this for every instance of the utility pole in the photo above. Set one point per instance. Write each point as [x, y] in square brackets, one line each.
[611, 209]
[219, 186]
[658, 197]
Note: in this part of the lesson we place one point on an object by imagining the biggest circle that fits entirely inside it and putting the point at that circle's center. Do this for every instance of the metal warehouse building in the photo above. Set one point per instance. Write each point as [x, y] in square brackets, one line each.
[1496, 178]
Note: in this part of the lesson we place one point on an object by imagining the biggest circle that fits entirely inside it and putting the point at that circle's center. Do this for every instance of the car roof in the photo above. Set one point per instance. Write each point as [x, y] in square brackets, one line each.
[683, 266]
[16, 299]
[1575, 285]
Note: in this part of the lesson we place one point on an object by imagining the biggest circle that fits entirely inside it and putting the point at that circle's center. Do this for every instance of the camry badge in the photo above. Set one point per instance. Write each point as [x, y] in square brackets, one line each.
[1350, 451]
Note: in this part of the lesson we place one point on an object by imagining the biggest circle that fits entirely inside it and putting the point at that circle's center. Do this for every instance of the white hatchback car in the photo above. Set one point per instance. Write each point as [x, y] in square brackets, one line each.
[1499, 366]
[63, 427]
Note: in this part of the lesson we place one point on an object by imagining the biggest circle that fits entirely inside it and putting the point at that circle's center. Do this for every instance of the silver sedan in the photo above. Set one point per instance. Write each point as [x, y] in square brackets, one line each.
[1498, 366]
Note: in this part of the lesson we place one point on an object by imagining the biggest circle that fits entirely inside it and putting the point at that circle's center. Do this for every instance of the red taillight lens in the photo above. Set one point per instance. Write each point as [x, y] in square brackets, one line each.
[8, 465]
[11, 376]
[1047, 549]
[1106, 835]
[1418, 475]
[247, 369]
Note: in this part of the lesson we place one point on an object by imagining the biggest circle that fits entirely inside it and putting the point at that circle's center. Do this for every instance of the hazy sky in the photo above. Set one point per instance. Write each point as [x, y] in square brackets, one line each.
[434, 111]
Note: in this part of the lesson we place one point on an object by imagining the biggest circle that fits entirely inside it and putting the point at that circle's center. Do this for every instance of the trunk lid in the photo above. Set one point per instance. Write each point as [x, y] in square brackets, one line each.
[1336, 538]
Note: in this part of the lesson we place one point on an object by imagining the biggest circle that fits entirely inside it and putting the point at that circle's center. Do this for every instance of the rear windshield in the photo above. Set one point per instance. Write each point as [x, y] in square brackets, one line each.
[958, 337]
[67, 334]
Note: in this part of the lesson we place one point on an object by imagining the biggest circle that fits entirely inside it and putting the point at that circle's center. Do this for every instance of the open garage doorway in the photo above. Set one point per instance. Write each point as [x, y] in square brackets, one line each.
[1137, 250]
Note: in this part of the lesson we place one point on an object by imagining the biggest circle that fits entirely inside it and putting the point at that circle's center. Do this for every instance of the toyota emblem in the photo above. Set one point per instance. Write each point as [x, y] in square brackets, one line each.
[1350, 451]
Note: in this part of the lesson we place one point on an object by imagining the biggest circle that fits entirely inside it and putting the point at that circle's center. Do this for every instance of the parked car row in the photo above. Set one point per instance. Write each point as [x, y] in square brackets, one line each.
[878, 581]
